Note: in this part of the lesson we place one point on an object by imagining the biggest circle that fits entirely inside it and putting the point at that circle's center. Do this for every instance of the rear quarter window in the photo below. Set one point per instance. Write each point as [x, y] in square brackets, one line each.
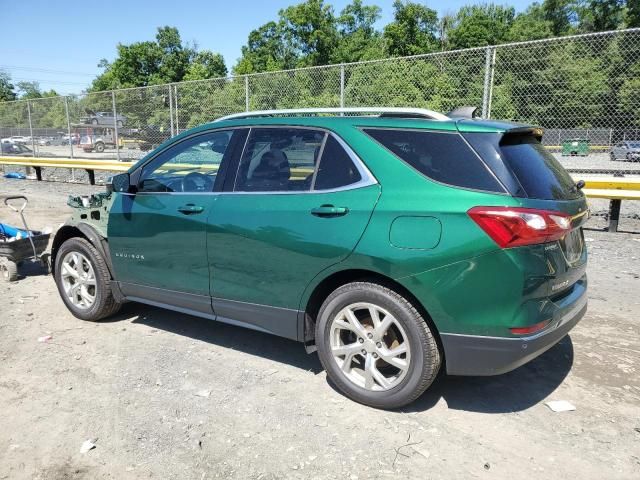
[441, 156]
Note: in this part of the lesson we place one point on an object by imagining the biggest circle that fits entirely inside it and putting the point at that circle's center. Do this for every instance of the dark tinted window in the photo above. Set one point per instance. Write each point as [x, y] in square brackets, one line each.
[444, 157]
[279, 160]
[535, 172]
[336, 168]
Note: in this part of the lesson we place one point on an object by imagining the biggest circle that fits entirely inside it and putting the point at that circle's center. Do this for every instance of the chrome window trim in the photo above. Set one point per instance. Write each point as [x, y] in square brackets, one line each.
[366, 177]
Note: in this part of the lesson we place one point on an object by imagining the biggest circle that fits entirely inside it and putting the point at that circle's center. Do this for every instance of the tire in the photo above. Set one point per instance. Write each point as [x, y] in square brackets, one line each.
[99, 147]
[104, 304]
[612, 156]
[8, 270]
[94, 121]
[424, 359]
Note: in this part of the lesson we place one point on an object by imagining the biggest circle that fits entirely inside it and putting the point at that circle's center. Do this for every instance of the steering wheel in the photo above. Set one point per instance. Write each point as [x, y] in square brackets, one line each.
[196, 182]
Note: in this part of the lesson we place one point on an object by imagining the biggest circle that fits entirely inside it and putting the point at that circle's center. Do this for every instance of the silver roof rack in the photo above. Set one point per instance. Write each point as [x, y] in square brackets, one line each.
[382, 111]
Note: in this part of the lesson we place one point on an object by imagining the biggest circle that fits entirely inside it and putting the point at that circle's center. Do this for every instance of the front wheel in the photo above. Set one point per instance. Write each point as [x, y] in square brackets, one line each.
[83, 280]
[375, 345]
[99, 147]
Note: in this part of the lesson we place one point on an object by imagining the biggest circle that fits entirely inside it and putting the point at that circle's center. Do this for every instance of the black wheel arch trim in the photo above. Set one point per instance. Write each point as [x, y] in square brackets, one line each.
[98, 241]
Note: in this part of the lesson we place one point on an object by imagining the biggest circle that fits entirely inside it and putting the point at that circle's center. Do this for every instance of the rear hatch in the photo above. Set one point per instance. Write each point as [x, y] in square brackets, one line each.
[535, 177]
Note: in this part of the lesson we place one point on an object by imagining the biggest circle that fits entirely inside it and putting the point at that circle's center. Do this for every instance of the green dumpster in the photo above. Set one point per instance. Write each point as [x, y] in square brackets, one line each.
[575, 146]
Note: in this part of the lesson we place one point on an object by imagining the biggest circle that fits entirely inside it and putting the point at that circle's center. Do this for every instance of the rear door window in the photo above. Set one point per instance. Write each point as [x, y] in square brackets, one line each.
[442, 156]
[279, 160]
[336, 168]
[536, 173]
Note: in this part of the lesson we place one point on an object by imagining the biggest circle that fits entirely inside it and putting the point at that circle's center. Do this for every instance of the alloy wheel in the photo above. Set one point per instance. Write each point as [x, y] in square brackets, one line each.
[78, 280]
[370, 346]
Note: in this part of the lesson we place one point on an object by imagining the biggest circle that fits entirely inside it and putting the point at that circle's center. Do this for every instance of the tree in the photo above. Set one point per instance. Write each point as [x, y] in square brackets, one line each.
[413, 30]
[7, 91]
[359, 39]
[206, 64]
[266, 50]
[600, 15]
[310, 27]
[561, 15]
[530, 25]
[480, 25]
[632, 17]
[165, 60]
[31, 90]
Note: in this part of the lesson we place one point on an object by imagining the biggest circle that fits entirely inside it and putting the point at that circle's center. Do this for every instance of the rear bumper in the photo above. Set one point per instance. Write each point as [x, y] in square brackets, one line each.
[481, 356]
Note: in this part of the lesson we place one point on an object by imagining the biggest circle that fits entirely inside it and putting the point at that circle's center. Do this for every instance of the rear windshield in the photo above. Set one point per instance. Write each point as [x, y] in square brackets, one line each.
[442, 156]
[524, 165]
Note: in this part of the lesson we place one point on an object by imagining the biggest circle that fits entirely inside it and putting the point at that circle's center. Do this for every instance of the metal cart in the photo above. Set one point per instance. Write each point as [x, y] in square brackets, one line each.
[14, 253]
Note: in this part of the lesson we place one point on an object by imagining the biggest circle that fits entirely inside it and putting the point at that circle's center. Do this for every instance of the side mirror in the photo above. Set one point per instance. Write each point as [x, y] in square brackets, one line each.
[121, 183]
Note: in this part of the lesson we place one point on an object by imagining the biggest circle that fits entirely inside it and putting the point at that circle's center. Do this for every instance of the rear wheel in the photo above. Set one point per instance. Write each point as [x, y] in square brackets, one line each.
[99, 147]
[375, 346]
[83, 280]
[8, 270]
[612, 156]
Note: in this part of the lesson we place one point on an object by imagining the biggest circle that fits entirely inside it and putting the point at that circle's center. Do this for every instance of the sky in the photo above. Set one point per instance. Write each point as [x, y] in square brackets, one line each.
[59, 44]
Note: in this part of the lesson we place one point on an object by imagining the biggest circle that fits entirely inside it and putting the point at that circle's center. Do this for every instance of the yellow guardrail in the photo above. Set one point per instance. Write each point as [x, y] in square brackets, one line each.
[91, 166]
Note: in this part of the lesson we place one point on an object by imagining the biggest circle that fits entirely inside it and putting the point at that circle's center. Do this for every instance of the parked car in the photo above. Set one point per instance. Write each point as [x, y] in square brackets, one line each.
[104, 118]
[45, 141]
[396, 245]
[627, 150]
[15, 149]
[20, 139]
[75, 139]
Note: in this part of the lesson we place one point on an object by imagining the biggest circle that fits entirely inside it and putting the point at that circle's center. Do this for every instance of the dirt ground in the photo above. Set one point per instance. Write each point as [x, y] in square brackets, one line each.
[168, 396]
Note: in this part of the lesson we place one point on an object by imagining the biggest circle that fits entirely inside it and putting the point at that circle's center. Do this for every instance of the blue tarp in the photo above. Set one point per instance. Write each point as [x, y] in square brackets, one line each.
[9, 231]
[20, 176]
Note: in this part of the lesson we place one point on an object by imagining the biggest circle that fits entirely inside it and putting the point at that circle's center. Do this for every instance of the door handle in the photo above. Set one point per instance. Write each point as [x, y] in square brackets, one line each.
[329, 211]
[190, 209]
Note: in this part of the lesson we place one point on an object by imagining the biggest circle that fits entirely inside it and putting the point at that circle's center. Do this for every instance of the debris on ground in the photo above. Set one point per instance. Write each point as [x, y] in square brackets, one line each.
[87, 445]
[203, 393]
[44, 339]
[560, 406]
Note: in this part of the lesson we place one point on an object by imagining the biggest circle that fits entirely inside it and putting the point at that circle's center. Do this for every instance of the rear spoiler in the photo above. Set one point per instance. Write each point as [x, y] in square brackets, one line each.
[463, 112]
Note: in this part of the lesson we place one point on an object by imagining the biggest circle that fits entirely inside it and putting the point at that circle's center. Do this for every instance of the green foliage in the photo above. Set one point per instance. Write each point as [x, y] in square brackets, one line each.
[413, 30]
[480, 25]
[632, 15]
[165, 60]
[530, 25]
[7, 91]
[600, 15]
[359, 39]
[206, 64]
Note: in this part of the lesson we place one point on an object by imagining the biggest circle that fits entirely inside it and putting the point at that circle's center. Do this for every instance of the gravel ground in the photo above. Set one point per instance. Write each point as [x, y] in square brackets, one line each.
[168, 396]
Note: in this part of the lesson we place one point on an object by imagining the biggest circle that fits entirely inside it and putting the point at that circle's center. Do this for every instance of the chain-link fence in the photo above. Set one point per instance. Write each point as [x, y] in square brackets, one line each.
[584, 90]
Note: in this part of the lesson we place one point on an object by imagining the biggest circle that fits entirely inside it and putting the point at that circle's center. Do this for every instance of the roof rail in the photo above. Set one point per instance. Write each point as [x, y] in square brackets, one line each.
[382, 111]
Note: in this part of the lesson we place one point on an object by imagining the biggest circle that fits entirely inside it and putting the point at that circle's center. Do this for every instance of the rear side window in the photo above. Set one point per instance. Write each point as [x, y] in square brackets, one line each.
[336, 168]
[536, 173]
[443, 157]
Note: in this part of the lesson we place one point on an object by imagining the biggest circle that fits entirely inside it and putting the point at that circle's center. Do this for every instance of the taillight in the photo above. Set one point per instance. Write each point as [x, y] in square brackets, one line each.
[514, 227]
[530, 329]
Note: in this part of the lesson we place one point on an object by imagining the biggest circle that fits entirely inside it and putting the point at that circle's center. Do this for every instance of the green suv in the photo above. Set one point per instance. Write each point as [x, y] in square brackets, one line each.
[398, 242]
